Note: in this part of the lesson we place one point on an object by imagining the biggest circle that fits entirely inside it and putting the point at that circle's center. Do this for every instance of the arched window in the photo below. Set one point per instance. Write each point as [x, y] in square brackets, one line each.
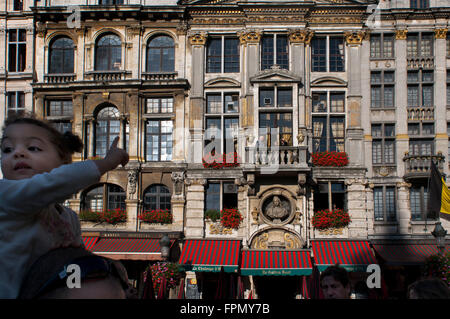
[107, 128]
[157, 197]
[61, 55]
[102, 197]
[161, 54]
[108, 53]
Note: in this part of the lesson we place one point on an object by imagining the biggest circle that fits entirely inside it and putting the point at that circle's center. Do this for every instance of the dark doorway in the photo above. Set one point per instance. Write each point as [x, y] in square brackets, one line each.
[277, 287]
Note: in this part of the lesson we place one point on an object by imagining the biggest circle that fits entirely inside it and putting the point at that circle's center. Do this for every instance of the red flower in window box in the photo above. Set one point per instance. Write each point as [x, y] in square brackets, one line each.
[336, 159]
[324, 219]
[110, 216]
[213, 160]
[230, 218]
[156, 216]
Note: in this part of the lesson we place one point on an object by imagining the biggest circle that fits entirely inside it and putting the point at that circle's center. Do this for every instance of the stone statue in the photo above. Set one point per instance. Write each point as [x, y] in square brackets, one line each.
[276, 210]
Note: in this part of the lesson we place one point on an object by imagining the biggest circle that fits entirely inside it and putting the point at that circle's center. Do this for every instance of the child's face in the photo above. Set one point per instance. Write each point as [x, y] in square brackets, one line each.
[26, 151]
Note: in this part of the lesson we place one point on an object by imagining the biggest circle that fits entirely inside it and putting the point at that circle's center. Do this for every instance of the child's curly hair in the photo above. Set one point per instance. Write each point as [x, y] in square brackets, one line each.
[66, 144]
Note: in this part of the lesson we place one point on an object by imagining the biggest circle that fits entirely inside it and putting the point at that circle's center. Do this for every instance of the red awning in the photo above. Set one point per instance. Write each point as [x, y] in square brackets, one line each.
[210, 255]
[89, 242]
[129, 248]
[354, 255]
[407, 254]
[276, 262]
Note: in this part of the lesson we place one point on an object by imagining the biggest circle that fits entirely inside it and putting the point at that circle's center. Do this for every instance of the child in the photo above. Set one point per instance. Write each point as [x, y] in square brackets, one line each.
[38, 174]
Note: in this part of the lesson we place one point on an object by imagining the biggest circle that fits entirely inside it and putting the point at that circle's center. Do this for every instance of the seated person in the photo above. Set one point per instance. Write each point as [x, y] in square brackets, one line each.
[50, 278]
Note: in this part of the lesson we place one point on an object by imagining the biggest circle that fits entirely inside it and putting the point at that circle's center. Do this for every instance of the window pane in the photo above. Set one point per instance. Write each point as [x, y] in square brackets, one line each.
[213, 196]
[427, 95]
[319, 102]
[375, 45]
[336, 54]
[389, 130]
[213, 56]
[231, 55]
[231, 103]
[284, 97]
[388, 96]
[376, 130]
[378, 203]
[213, 103]
[267, 52]
[388, 46]
[266, 97]
[318, 55]
[375, 97]
[389, 152]
[319, 134]
[282, 52]
[377, 155]
[416, 210]
[390, 204]
[337, 102]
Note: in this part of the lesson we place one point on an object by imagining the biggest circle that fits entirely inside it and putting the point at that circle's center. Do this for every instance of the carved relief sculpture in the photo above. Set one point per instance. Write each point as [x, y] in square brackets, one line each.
[178, 178]
[132, 181]
[276, 210]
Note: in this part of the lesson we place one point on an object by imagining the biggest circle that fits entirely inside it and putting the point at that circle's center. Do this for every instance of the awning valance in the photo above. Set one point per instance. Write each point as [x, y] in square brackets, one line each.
[89, 242]
[210, 255]
[406, 254]
[276, 262]
[129, 248]
[354, 255]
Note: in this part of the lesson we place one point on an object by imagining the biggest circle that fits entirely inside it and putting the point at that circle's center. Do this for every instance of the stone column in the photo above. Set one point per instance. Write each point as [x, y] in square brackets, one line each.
[370, 208]
[40, 63]
[401, 115]
[195, 195]
[132, 213]
[300, 39]
[133, 108]
[77, 121]
[354, 142]
[90, 124]
[404, 211]
[440, 99]
[197, 42]
[3, 34]
[30, 49]
[133, 48]
[178, 200]
[249, 40]
[39, 107]
[79, 54]
[356, 202]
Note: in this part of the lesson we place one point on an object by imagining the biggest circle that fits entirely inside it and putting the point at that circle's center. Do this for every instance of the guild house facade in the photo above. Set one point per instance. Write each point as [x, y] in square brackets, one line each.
[273, 110]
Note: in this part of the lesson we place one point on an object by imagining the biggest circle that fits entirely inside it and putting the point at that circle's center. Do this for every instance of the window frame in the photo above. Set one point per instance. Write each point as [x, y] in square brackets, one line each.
[423, 203]
[19, 61]
[65, 51]
[327, 55]
[221, 193]
[383, 139]
[276, 54]
[222, 116]
[158, 195]
[328, 115]
[17, 97]
[420, 39]
[419, 4]
[109, 135]
[159, 134]
[382, 43]
[420, 84]
[386, 218]
[62, 121]
[106, 194]
[110, 52]
[382, 85]
[224, 55]
[170, 60]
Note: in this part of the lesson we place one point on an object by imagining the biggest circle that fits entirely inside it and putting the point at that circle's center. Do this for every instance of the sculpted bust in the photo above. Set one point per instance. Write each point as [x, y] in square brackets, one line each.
[276, 210]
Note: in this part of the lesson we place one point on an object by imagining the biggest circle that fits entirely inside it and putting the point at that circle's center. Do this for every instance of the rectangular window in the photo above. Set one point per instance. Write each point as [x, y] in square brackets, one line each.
[328, 122]
[382, 89]
[384, 203]
[418, 198]
[17, 49]
[327, 54]
[275, 97]
[60, 112]
[382, 46]
[448, 88]
[18, 5]
[419, 4]
[330, 195]
[276, 128]
[16, 103]
[110, 2]
[222, 55]
[220, 195]
[159, 140]
[419, 45]
[221, 122]
[160, 105]
[274, 51]
[420, 88]
[383, 143]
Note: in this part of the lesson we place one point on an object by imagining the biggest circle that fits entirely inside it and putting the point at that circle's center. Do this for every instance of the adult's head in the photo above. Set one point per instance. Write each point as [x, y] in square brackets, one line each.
[335, 283]
[429, 288]
[53, 277]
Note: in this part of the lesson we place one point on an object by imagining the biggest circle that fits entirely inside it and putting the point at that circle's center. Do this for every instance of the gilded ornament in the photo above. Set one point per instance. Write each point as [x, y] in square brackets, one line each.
[198, 39]
[301, 36]
[401, 34]
[354, 38]
[440, 33]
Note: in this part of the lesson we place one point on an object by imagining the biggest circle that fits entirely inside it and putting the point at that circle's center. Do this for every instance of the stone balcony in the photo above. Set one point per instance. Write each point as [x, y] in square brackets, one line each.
[59, 78]
[418, 166]
[421, 113]
[415, 63]
[286, 157]
[160, 76]
[107, 75]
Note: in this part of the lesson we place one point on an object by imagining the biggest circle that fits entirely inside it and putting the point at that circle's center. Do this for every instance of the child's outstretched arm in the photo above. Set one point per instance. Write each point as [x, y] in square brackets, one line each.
[113, 158]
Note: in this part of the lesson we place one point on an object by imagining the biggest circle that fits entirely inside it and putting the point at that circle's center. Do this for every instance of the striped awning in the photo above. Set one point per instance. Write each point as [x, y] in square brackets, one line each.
[407, 254]
[89, 242]
[354, 255]
[210, 255]
[129, 248]
[276, 262]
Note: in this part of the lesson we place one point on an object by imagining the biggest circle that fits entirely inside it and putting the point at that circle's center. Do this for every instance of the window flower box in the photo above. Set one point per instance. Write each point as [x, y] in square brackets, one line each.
[156, 216]
[230, 218]
[109, 216]
[326, 219]
[213, 160]
[335, 159]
